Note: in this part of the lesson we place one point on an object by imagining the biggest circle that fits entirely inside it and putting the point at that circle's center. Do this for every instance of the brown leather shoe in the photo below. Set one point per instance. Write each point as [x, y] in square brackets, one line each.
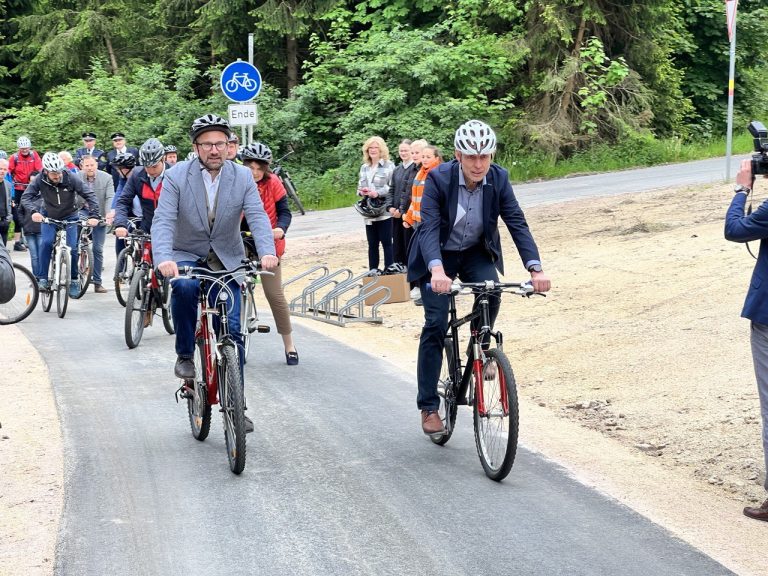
[148, 318]
[760, 513]
[99, 289]
[431, 423]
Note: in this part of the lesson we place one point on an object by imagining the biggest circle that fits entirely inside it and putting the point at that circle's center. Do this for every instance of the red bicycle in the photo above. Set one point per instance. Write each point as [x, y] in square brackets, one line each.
[145, 295]
[218, 378]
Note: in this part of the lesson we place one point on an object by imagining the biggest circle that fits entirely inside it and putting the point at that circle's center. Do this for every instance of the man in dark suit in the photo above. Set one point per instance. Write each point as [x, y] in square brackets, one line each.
[118, 146]
[463, 200]
[89, 149]
[740, 227]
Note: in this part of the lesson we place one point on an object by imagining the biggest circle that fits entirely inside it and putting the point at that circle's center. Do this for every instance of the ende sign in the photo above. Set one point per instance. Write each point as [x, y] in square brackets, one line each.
[243, 114]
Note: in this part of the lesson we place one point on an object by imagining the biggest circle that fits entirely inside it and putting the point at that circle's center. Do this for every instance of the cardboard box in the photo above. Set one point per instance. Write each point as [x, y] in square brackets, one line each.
[397, 284]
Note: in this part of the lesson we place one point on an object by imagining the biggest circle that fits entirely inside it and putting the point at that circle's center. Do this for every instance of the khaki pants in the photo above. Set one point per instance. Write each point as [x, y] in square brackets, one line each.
[273, 290]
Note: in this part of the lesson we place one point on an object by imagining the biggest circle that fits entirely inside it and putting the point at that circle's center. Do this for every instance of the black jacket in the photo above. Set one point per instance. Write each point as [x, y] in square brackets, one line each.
[97, 153]
[59, 200]
[137, 185]
[402, 182]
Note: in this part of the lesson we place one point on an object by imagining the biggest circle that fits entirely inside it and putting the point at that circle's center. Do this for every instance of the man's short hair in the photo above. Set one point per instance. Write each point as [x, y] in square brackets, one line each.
[88, 158]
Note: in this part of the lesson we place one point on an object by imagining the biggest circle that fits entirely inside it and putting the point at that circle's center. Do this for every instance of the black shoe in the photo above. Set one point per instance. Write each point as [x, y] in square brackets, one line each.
[185, 368]
[19, 247]
[292, 358]
[248, 425]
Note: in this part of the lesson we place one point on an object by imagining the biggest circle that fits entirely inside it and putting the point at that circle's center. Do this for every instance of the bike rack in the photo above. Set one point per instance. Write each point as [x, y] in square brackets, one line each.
[329, 306]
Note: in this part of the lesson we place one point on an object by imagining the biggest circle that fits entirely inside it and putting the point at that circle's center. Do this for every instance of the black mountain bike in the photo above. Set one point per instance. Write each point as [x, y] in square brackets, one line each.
[280, 172]
[485, 381]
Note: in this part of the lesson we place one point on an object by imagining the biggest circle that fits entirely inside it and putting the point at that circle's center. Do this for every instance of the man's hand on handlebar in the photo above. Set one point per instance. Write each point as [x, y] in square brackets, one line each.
[93, 221]
[37, 217]
[269, 262]
[441, 283]
[121, 232]
[168, 269]
[540, 281]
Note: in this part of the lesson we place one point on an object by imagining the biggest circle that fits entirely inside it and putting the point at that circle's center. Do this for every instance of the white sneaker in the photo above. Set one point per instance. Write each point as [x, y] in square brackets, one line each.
[415, 293]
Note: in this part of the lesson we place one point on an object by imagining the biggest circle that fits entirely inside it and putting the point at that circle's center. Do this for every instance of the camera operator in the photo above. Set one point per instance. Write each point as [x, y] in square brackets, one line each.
[741, 227]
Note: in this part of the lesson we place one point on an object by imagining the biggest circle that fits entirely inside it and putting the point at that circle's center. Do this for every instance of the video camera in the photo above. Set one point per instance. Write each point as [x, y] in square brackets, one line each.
[760, 158]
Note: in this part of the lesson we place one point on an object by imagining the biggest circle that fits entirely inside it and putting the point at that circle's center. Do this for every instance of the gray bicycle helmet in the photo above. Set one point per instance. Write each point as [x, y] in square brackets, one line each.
[170, 148]
[151, 152]
[191, 156]
[208, 123]
[23, 142]
[52, 162]
[475, 138]
[124, 160]
[257, 151]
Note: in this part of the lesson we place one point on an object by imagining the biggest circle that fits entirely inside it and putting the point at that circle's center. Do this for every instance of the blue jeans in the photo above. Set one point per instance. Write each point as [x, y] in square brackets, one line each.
[472, 265]
[184, 302]
[99, 235]
[48, 233]
[33, 243]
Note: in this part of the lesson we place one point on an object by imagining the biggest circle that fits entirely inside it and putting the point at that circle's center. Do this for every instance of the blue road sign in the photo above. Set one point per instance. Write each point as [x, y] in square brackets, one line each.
[240, 81]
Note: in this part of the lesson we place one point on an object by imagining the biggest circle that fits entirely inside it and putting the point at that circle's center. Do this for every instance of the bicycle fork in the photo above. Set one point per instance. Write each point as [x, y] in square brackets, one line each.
[477, 370]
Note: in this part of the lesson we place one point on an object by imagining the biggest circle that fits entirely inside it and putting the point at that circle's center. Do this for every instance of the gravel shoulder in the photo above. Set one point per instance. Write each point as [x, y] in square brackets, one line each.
[634, 374]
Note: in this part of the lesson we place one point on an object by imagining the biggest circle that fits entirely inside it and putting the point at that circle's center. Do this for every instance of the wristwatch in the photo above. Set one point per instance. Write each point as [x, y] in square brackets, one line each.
[739, 188]
[535, 268]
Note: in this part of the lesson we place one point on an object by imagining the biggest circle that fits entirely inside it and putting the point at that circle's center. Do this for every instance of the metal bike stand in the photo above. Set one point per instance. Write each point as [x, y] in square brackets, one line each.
[305, 304]
[298, 305]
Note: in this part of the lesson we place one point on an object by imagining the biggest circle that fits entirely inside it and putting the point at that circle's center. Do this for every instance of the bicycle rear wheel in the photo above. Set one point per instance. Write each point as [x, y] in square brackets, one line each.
[290, 189]
[198, 407]
[85, 269]
[496, 428]
[62, 284]
[123, 274]
[446, 389]
[25, 299]
[46, 296]
[135, 308]
[232, 407]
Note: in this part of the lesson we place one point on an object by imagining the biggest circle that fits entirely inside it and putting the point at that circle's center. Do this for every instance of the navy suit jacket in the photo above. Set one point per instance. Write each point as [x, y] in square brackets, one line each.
[438, 214]
[742, 228]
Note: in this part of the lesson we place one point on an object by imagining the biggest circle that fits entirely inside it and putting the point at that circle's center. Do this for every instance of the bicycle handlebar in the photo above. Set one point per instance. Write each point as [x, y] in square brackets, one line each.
[200, 273]
[519, 288]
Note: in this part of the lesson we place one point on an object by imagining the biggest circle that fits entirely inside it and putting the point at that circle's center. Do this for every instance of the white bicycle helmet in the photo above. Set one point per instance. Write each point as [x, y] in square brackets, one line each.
[23, 142]
[475, 138]
[52, 162]
[257, 151]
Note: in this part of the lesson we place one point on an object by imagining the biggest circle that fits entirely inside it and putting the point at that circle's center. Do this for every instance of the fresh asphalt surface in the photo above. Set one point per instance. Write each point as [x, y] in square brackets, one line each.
[339, 478]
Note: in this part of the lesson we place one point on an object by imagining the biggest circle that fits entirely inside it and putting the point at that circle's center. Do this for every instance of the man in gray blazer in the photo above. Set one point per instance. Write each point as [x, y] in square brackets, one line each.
[198, 219]
[100, 183]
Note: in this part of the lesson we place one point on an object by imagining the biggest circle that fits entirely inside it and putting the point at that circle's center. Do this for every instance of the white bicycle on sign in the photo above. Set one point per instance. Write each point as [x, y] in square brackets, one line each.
[240, 80]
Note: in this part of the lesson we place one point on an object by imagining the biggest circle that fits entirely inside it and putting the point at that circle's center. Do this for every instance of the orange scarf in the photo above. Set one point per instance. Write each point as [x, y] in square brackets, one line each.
[413, 216]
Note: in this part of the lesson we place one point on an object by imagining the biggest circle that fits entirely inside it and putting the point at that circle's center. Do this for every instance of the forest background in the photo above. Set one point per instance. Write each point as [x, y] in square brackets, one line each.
[569, 85]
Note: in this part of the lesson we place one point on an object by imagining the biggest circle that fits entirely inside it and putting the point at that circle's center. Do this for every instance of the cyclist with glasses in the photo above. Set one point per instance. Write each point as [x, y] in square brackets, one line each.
[197, 222]
[460, 209]
[59, 190]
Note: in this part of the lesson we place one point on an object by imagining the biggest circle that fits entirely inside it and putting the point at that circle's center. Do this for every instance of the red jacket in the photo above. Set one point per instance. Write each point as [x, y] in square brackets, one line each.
[271, 191]
[21, 168]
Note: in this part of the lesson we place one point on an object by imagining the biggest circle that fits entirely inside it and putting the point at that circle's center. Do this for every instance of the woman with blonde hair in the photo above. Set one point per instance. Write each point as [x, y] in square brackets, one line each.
[375, 189]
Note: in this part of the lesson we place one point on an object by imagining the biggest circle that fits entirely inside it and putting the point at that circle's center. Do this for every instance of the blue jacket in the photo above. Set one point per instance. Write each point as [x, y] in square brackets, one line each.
[137, 186]
[438, 214]
[742, 228]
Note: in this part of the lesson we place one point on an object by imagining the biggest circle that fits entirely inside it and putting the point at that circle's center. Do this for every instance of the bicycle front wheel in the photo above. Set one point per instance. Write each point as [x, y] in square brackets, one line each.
[198, 407]
[165, 291]
[446, 389]
[25, 299]
[85, 269]
[123, 274]
[232, 407]
[62, 284]
[135, 308]
[496, 421]
[247, 317]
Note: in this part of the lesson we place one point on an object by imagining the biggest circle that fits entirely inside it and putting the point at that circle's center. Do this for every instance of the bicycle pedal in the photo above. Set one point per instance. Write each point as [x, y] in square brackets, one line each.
[263, 328]
[184, 392]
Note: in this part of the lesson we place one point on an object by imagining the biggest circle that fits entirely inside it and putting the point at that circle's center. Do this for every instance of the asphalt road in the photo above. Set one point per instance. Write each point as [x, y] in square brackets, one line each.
[339, 478]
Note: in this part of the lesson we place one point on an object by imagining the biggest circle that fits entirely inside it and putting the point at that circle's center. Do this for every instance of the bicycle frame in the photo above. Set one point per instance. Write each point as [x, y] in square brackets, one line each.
[59, 245]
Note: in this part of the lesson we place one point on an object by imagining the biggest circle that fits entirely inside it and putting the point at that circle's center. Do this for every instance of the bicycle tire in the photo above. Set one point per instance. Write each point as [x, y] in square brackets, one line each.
[135, 309]
[290, 189]
[25, 298]
[165, 291]
[446, 389]
[232, 407]
[124, 270]
[84, 270]
[496, 440]
[62, 287]
[46, 296]
[247, 310]
[198, 407]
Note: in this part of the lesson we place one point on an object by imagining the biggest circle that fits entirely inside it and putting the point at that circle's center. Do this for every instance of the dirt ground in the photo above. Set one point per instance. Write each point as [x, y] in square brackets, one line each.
[634, 374]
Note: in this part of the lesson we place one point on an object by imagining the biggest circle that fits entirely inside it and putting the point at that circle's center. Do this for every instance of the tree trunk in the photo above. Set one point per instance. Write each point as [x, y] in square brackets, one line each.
[111, 52]
[570, 85]
[292, 66]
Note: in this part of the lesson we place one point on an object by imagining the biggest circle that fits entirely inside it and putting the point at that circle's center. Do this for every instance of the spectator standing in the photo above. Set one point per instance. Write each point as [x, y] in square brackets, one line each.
[89, 149]
[6, 194]
[118, 147]
[100, 184]
[21, 165]
[403, 173]
[66, 157]
[375, 188]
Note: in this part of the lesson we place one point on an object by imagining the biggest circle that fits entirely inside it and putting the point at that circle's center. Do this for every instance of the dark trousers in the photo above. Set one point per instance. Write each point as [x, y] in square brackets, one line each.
[4, 227]
[379, 232]
[473, 265]
[18, 224]
[399, 241]
[48, 237]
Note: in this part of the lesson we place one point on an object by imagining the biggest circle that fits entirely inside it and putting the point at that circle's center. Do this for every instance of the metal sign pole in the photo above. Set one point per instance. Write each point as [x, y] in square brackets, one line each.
[730, 7]
[249, 140]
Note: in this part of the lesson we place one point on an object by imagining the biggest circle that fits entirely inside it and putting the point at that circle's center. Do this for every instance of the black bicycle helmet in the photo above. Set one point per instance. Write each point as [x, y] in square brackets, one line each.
[370, 207]
[257, 151]
[151, 152]
[207, 123]
[170, 148]
[124, 160]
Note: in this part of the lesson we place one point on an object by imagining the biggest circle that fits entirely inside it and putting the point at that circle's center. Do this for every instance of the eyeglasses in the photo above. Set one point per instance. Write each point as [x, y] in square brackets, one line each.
[208, 146]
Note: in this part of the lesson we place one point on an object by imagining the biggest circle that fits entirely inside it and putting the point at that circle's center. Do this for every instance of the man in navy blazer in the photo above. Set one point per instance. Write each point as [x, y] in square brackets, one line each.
[740, 227]
[458, 236]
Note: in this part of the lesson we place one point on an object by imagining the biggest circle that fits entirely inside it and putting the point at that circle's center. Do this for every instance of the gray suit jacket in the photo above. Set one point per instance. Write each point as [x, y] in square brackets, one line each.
[104, 190]
[180, 229]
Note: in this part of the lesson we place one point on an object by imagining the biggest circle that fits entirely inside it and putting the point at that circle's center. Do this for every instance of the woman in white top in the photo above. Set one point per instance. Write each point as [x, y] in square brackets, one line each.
[375, 188]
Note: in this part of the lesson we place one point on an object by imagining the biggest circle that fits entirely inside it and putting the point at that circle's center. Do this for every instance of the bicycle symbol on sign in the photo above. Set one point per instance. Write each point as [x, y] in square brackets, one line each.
[241, 80]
